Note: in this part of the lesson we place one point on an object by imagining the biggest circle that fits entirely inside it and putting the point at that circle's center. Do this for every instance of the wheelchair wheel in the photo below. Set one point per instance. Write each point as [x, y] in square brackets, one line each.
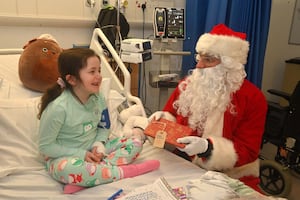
[275, 179]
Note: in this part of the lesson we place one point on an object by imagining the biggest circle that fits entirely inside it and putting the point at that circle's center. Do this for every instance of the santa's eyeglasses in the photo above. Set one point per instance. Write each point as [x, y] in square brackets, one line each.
[206, 58]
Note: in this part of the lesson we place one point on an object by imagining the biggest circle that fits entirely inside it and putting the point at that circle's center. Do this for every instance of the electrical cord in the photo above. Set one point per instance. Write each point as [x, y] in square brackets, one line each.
[143, 84]
[143, 9]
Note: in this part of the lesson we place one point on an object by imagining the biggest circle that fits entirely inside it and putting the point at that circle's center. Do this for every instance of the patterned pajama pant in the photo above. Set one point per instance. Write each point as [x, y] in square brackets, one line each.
[73, 170]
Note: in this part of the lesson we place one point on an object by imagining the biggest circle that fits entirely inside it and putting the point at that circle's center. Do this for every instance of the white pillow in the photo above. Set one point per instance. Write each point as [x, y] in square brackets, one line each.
[4, 88]
[12, 90]
[105, 87]
[114, 101]
[19, 135]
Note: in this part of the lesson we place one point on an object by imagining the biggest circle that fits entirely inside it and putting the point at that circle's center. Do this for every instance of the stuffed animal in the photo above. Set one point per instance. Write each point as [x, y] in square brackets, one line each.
[133, 121]
[38, 63]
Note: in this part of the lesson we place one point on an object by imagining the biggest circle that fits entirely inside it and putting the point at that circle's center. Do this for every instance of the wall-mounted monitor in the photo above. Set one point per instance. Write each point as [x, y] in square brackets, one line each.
[169, 23]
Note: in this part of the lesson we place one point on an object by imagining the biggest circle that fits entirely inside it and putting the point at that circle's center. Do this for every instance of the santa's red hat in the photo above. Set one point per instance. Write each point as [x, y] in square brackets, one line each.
[223, 41]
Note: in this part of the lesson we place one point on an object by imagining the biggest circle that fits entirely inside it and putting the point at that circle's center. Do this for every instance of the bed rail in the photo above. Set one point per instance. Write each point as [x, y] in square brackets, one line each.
[107, 71]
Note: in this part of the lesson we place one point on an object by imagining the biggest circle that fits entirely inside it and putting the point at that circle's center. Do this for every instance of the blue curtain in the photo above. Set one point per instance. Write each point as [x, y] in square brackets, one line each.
[249, 16]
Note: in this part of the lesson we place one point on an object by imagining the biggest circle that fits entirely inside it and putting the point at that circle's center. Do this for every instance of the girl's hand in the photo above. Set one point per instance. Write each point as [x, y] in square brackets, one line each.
[98, 154]
[91, 157]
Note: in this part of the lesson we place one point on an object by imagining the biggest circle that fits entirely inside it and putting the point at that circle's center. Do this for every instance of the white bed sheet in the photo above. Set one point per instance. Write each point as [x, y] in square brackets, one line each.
[38, 185]
[198, 183]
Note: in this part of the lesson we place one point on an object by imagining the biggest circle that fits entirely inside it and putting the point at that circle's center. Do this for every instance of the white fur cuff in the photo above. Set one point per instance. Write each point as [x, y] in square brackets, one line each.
[223, 156]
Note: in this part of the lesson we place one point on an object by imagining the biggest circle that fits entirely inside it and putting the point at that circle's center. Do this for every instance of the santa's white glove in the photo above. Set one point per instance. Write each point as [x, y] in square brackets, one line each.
[156, 116]
[195, 145]
[135, 126]
[161, 114]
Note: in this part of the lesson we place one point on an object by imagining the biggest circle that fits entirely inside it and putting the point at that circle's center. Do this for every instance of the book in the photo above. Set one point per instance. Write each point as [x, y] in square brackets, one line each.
[163, 130]
[160, 189]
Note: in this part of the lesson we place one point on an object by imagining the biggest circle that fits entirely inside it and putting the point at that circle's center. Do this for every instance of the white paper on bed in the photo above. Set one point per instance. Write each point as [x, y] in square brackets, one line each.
[210, 185]
[160, 189]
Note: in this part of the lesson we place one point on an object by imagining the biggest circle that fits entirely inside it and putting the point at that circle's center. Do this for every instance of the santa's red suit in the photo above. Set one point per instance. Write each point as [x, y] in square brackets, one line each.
[237, 148]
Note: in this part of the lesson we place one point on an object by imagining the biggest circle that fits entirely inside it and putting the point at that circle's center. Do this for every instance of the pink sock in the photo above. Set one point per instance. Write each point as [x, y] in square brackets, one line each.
[133, 170]
[70, 189]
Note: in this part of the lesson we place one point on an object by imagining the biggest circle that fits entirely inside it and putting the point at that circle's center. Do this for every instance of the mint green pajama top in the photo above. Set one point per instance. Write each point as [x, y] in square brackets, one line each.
[69, 128]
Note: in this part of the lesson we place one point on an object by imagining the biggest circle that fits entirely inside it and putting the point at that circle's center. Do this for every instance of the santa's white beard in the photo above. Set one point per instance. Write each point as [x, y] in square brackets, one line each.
[209, 89]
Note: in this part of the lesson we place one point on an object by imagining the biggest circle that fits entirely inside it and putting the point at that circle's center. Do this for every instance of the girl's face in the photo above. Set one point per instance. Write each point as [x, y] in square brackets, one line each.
[91, 76]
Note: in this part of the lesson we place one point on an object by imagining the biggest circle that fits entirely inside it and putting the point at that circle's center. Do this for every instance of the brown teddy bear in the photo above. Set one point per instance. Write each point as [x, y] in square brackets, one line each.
[38, 63]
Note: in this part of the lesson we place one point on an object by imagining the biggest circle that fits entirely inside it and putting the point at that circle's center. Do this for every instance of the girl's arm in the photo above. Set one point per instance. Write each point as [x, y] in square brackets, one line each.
[50, 124]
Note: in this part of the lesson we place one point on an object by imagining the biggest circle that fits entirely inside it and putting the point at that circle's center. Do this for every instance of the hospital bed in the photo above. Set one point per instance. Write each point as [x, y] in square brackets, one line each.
[22, 173]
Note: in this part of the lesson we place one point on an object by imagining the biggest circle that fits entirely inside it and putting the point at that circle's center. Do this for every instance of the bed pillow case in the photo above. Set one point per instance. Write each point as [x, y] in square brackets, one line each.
[11, 90]
[19, 136]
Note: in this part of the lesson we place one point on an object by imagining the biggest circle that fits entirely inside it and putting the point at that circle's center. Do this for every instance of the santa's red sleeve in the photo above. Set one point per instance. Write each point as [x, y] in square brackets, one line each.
[169, 104]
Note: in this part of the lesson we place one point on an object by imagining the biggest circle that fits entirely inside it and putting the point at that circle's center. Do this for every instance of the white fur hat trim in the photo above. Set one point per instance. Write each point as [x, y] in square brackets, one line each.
[224, 45]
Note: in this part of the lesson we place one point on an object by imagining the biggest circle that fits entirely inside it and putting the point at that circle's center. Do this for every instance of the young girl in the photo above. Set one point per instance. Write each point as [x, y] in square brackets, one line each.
[74, 128]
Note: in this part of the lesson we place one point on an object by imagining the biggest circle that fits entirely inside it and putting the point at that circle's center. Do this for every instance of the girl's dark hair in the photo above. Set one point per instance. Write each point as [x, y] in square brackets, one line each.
[70, 62]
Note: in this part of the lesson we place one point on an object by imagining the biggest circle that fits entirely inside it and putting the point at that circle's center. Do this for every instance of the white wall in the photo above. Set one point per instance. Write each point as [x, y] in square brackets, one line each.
[69, 21]
[16, 37]
[278, 49]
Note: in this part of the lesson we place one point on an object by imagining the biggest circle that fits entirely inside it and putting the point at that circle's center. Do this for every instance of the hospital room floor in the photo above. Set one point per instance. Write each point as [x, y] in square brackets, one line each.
[269, 151]
[295, 189]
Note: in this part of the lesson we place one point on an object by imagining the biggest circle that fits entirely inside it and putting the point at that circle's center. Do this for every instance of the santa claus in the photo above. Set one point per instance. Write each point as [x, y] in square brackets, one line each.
[226, 111]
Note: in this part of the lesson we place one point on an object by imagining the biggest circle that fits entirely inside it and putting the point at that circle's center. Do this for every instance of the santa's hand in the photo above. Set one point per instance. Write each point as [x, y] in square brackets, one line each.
[156, 116]
[162, 114]
[195, 145]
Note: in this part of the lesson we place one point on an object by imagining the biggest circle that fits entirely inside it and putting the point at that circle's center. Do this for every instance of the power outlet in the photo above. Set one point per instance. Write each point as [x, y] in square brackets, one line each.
[90, 3]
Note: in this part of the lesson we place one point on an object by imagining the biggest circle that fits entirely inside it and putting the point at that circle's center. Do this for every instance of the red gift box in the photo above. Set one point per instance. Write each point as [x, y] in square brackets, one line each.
[173, 130]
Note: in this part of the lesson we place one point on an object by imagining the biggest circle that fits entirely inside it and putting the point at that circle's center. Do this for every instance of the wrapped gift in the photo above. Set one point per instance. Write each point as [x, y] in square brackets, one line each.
[163, 130]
